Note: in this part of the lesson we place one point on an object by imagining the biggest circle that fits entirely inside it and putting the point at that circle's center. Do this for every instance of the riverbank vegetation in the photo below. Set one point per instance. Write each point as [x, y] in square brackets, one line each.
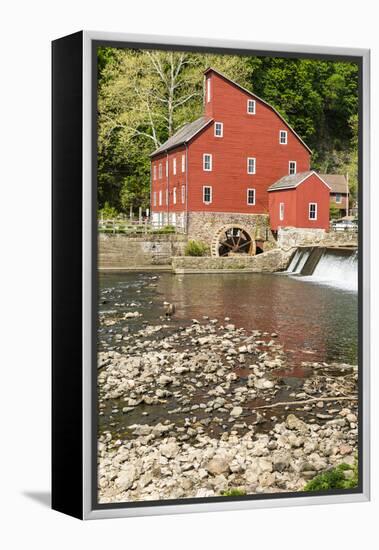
[144, 97]
[196, 248]
[343, 476]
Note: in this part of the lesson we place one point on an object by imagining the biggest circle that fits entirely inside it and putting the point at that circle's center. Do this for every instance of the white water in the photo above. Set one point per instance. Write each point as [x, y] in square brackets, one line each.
[341, 271]
[333, 269]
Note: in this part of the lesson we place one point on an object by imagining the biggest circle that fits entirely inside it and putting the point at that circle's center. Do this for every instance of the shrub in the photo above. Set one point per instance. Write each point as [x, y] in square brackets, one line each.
[334, 212]
[108, 212]
[234, 492]
[334, 479]
[196, 248]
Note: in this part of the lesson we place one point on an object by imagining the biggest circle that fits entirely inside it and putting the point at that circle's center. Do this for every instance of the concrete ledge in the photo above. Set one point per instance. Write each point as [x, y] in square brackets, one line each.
[268, 262]
[136, 268]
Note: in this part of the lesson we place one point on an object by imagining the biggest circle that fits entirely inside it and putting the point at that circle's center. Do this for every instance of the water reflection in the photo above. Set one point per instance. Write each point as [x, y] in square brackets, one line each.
[313, 322]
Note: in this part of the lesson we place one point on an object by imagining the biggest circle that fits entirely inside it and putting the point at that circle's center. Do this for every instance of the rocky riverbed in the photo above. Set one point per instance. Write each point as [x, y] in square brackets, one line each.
[200, 409]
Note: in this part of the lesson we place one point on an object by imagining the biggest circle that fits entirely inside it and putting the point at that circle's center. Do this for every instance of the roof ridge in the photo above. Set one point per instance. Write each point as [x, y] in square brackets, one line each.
[181, 137]
[260, 99]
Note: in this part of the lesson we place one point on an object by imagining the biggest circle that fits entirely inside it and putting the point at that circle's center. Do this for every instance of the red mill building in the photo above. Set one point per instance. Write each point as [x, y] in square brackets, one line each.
[212, 177]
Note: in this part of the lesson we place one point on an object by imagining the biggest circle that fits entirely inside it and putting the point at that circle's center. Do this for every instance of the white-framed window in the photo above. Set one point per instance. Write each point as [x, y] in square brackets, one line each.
[155, 198]
[174, 166]
[251, 165]
[219, 129]
[160, 171]
[183, 194]
[167, 197]
[312, 211]
[283, 137]
[154, 172]
[166, 168]
[292, 167]
[251, 197]
[338, 198]
[281, 211]
[174, 195]
[207, 162]
[160, 198]
[183, 163]
[208, 89]
[251, 106]
[207, 194]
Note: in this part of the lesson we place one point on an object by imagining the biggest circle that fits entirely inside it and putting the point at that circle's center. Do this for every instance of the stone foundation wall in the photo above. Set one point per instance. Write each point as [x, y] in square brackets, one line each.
[125, 252]
[268, 262]
[203, 226]
[291, 237]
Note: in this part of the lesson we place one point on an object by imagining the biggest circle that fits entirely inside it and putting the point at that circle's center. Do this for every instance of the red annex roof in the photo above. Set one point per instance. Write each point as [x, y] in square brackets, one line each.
[293, 181]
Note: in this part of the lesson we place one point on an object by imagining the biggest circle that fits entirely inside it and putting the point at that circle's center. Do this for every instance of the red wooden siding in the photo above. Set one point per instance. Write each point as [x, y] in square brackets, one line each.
[296, 205]
[169, 182]
[244, 135]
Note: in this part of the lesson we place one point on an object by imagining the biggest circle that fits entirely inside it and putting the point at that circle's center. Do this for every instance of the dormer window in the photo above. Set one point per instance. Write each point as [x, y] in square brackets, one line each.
[283, 137]
[219, 129]
[208, 89]
[251, 106]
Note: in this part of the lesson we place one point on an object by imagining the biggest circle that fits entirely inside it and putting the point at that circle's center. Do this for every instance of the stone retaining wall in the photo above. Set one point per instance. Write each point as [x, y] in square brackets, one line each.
[125, 252]
[203, 226]
[291, 237]
[268, 262]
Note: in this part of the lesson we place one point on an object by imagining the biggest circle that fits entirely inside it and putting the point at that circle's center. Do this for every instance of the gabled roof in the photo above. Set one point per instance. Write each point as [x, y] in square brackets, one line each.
[293, 181]
[337, 182]
[211, 69]
[184, 135]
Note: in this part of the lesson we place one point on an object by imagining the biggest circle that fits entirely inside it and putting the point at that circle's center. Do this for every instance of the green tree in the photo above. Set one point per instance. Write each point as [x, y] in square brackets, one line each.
[146, 96]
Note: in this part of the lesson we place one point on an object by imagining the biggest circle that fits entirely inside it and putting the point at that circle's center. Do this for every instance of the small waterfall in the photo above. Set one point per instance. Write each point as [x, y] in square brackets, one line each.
[334, 266]
[339, 266]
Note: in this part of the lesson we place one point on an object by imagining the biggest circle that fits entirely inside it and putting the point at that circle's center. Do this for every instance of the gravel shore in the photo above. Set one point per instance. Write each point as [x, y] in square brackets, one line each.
[203, 409]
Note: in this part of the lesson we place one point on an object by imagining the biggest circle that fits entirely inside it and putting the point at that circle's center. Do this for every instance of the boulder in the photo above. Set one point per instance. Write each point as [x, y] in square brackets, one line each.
[217, 466]
[126, 478]
[294, 423]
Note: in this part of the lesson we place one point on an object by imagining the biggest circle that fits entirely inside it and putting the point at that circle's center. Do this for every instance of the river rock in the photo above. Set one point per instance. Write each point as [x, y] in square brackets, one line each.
[170, 449]
[131, 315]
[294, 423]
[164, 380]
[263, 384]
[236, 411]
[281, 461]
[126, 478]
[217, 466]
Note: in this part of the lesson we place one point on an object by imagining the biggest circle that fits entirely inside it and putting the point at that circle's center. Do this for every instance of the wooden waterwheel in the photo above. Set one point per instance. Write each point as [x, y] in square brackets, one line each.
[231, 240]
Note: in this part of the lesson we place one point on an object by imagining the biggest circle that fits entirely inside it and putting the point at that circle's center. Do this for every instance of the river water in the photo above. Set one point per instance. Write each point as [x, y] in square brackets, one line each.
[314, 322]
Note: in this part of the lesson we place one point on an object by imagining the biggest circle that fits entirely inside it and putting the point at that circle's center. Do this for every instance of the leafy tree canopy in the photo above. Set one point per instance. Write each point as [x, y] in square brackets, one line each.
[144, 97]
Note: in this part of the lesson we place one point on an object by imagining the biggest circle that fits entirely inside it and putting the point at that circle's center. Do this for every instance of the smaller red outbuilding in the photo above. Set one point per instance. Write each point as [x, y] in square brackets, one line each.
[299, 200]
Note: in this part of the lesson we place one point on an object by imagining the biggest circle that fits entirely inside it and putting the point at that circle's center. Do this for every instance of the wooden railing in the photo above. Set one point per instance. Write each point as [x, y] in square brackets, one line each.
[135, 227]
